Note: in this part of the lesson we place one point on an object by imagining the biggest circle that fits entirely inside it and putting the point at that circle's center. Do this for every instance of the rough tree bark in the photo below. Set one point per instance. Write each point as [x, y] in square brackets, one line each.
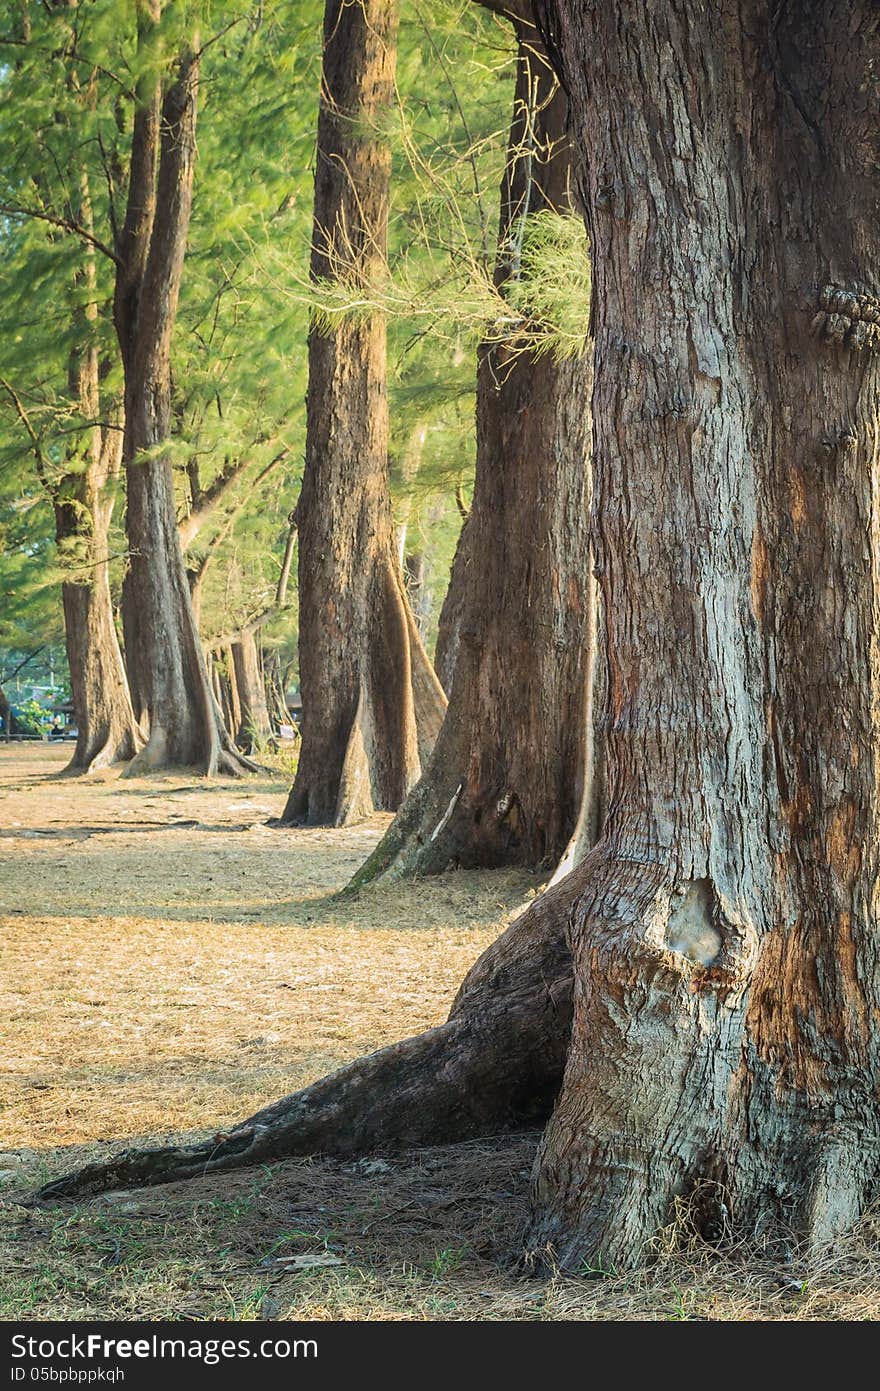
[727, 1029]
[359, 647]
[168, 679]
[107, 732]
[504, 783]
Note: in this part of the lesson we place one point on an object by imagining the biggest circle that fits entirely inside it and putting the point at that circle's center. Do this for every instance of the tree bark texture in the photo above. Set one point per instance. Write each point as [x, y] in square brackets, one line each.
[505, 780]
[358, 644]
[725, 946]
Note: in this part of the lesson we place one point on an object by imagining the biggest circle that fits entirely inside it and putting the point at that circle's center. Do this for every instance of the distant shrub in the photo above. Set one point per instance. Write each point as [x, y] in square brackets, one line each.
[31, 718]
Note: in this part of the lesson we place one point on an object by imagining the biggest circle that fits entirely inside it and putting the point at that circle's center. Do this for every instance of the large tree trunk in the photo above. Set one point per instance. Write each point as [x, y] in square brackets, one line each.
[505, 780]
[166, 666]
[360, 742]
[727, 998]
[725, 927]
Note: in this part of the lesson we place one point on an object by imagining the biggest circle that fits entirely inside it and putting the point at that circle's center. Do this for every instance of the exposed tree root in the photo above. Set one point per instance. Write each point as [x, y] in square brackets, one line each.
[496, 1064]
[104, 751]
[230, 760]
[218, 756]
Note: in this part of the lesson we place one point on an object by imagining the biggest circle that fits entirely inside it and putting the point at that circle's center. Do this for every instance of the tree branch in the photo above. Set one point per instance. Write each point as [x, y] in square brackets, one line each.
[286, 564]
[212, 497]
[279, 603]
[33, 436]
[67, 224]
[10, 675]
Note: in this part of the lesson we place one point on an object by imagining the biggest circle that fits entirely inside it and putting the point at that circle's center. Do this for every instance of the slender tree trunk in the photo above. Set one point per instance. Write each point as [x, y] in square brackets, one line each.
[106, 728]
[254, 716]
[453, 609]
[168, 678]
[726, 1034]
[593, 807]
[411, 559]
[505, 780]
[273, 687]
[360, 742]
[233, 722]
[221, 692]
[82, 501]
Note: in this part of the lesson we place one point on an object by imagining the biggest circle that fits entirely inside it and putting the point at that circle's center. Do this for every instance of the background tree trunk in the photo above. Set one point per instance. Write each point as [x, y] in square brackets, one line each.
[253, 721]
[453, 609]
[221, 688]
[167, 674]
[83, 504]
[360, 743]
[505, 780]
[726, 1030]
[106, 728]
[232, 720]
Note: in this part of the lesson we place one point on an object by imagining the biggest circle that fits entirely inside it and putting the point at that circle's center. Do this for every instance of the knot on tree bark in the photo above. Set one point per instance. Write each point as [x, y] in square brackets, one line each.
[849, 317]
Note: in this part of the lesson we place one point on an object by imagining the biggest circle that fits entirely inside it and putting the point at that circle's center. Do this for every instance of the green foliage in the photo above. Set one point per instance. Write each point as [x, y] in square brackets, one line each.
[553, 292]
[31, 718]
[70, 81]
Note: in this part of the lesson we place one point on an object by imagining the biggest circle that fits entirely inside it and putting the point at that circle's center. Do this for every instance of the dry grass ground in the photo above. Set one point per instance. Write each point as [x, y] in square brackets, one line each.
[167, 964]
